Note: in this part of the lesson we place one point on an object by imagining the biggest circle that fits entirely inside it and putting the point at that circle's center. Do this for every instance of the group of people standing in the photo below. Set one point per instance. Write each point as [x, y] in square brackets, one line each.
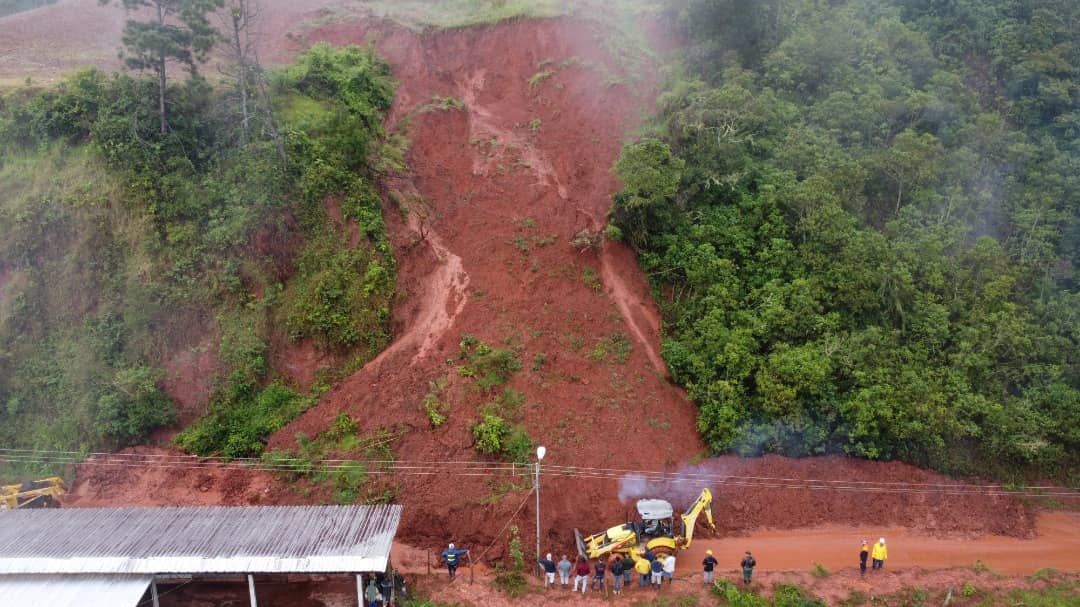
[877, 554]
[709, 563]
[652, 569]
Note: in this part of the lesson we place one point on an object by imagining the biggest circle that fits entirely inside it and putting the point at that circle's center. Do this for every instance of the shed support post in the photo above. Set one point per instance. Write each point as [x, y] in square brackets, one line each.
[153, 592]
[360, 589]
[251, 590]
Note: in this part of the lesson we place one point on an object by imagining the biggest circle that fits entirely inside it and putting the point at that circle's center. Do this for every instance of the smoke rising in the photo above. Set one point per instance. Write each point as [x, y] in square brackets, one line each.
[680, 487]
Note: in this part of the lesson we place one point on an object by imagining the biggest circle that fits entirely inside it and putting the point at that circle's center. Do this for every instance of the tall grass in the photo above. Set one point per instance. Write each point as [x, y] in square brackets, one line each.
[447, 14]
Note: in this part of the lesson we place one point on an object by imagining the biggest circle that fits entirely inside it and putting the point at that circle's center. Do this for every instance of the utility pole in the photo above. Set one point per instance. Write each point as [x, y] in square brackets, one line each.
[540, 452]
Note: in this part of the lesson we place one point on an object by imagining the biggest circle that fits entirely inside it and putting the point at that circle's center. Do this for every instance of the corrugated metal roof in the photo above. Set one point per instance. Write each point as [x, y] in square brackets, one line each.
[73, 590]
[263, 539]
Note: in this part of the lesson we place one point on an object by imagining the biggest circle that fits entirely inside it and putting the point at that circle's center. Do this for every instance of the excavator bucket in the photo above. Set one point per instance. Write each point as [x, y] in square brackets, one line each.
[580, 543]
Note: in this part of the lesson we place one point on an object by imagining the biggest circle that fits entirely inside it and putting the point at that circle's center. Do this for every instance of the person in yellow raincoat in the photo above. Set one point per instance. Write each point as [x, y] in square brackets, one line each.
[644, 570]
[879, 554]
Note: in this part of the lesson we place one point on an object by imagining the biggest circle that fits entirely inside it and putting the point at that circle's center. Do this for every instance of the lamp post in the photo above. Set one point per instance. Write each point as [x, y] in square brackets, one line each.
[540, 453]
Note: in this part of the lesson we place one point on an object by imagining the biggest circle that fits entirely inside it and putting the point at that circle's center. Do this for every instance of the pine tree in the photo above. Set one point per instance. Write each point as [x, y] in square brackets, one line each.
[178, 30]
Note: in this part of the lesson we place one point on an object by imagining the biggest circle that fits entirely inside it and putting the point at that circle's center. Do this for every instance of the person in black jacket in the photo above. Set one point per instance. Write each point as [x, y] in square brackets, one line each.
[616, 573]
[598, 577]
[708, 565]
[549, 569]
[863, 553]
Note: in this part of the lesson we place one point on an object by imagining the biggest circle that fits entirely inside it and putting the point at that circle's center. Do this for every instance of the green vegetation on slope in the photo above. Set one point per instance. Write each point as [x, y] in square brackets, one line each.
[862, 221]
[121, 247]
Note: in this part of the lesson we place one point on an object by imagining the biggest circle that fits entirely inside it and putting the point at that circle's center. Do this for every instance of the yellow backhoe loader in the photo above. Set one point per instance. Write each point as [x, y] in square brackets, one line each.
[656, 530]
[44, 493]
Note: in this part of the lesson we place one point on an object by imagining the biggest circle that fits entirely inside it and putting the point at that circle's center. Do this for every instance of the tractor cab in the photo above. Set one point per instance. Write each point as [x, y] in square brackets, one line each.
[657, 518]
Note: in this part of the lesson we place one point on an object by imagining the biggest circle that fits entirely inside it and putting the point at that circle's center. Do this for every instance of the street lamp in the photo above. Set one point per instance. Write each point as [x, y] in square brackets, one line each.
[540, 453]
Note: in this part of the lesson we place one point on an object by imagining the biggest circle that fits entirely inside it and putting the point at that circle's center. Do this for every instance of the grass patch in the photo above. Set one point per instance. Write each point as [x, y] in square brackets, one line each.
[492, 367]
[442, 104]
[616, 346]
[592, 280]
[539, 77]
[434, 407]
[1046, 573]
[10, 7]
[1061, 595]
[419, 15]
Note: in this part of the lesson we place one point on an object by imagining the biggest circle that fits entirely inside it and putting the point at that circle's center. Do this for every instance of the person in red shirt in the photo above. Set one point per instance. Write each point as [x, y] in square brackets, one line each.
[581, 574]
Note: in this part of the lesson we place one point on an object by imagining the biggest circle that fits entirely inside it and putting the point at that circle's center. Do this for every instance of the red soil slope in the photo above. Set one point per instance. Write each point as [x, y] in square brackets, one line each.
[494, 261]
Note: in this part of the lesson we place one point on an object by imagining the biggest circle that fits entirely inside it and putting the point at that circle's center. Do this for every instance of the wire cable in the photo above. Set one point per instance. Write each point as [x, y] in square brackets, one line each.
[479, 468]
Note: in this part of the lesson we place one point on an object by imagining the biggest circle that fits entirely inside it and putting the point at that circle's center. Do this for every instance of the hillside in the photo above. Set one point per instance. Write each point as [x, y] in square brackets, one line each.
[437, 281]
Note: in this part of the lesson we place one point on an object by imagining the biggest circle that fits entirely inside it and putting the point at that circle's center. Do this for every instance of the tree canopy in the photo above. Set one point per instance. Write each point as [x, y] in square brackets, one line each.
[872, 247]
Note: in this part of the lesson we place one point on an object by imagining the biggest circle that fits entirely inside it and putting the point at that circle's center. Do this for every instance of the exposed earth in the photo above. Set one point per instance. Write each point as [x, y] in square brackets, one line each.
[483, 225]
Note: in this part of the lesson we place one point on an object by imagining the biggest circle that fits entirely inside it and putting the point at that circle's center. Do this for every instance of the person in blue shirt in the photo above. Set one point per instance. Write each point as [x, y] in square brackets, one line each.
[452, 556]
[657, 572]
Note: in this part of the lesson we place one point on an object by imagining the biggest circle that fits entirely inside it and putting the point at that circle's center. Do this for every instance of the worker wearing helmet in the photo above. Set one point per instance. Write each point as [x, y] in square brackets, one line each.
[452, 556]
[879, 554]
[709, 564]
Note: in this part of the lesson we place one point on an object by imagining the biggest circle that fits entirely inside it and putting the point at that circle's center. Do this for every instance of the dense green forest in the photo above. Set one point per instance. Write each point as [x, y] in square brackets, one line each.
[123, 246]
[862, 221]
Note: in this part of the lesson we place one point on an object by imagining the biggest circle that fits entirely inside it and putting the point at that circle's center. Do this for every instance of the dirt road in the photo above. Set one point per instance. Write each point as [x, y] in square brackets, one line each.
[1056, 545]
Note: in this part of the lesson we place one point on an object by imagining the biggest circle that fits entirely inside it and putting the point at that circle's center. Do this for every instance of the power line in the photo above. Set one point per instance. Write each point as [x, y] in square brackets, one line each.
[475, 468]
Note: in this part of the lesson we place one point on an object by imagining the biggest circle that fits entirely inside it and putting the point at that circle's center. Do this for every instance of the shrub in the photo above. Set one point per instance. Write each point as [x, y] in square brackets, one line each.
[133, 406]
[339, 296]
[490, 434]
[790, 595]
[511, 579]
[494, 436]
[434, 410]
[969, 589]
[240, 428]
[732, 596]
[518, 447]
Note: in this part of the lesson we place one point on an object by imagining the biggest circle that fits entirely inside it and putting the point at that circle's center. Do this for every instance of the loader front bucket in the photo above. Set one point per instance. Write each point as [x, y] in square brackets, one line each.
[580, 543]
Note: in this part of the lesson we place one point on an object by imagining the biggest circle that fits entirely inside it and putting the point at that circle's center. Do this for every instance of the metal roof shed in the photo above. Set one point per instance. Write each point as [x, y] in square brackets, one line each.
[73, 590]
[198, 540]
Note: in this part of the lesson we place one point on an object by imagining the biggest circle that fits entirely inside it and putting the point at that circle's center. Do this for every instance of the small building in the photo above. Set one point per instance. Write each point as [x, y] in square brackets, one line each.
[114, 557]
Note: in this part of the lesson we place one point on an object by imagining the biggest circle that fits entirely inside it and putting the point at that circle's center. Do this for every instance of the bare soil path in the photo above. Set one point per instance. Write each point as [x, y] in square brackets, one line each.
[1056, 545]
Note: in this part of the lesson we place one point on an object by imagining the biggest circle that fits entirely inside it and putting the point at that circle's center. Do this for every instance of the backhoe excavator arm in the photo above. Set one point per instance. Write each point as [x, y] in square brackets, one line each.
[689, 518]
